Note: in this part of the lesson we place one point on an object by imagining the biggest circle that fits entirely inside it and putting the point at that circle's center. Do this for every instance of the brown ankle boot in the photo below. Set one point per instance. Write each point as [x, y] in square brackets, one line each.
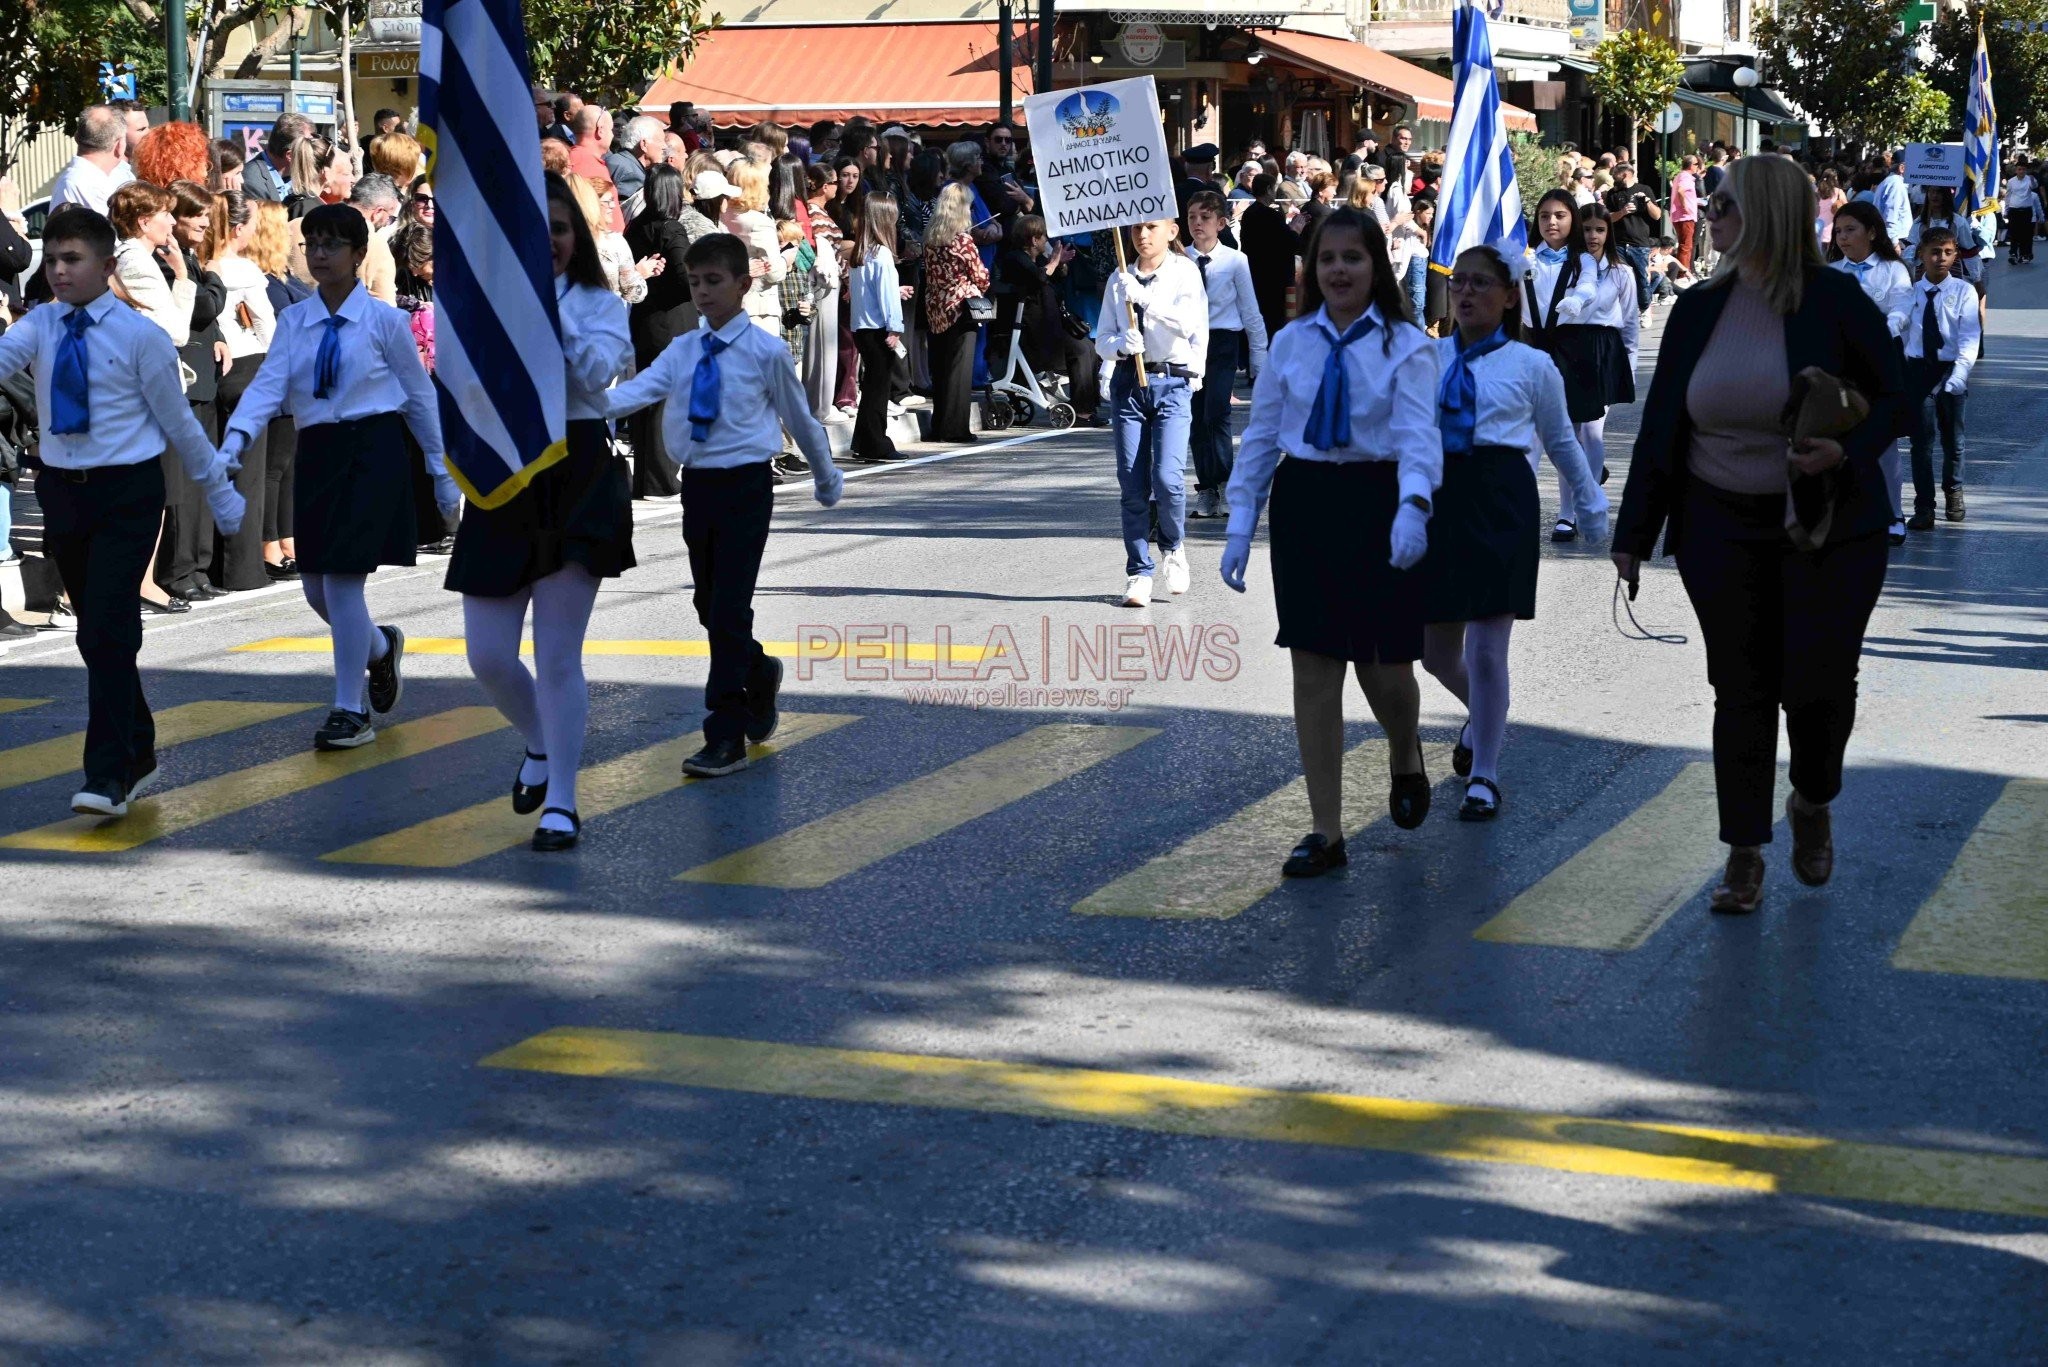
[1813, 843]
[1742, 885]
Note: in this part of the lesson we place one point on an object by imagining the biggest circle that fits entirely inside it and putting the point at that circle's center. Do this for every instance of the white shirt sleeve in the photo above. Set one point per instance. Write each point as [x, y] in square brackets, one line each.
[786, 392]
[265, 397]
[163, 389]
[1577, 306]
[650, 386]
[1258, 450]
[1560, 442]
[1969, 333]
[421, 408]
[1417, 439]
[1248, 312]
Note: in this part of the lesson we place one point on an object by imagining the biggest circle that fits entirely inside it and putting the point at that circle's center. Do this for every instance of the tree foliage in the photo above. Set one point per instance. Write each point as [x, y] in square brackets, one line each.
[1635, 74]
[2019, 64]
[50, 52]
[218, 20]
[610, 53]
[1841, 62]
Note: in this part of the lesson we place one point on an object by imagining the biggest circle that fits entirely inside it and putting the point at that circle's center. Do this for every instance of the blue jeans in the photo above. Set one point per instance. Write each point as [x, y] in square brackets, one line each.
[1151, 430]
[1417, 282]
[1639, 262]
[1209, 433]
[1941, 414]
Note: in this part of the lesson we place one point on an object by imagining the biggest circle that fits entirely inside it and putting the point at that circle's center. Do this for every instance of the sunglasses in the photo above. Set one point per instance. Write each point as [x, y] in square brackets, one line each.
[1717, 206]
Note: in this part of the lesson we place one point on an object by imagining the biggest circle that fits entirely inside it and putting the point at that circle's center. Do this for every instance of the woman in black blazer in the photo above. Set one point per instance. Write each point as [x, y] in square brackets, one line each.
[1712, 473]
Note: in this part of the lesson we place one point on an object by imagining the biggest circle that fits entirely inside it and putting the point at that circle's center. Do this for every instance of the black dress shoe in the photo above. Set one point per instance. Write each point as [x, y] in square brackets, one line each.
[1461, 754]
[1408, 797]
[548, 842]
[1920, 522]
[170, 607]
[1480, 808]
[198, 591]
[281, 571]
[527, 797]
[1315, 856]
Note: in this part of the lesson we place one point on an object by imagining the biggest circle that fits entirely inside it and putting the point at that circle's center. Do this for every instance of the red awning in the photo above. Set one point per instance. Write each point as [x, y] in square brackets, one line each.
[1381, 74]
[893, 73]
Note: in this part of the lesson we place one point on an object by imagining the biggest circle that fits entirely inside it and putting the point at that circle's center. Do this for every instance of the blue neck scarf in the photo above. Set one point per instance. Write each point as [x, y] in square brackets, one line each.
[70, 393]
[704, 388]
[1457, 398]
[327, 360]
[1863, 267]
[1553, 256]
[1329, 418]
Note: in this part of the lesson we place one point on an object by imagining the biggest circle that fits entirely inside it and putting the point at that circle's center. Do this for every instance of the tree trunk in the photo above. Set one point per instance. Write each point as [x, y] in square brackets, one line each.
[348, 90]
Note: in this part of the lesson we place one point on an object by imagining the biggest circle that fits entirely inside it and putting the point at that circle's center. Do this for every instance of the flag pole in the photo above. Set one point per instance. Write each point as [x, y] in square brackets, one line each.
[1130, 316]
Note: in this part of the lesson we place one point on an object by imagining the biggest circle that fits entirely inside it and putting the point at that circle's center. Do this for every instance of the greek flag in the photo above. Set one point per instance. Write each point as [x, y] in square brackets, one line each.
[1477, 203]
[497, 339]
[1980, 137]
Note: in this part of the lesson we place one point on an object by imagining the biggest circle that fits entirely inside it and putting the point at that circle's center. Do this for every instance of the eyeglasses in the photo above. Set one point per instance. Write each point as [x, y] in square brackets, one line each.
[1473, 284]
[1718, 205]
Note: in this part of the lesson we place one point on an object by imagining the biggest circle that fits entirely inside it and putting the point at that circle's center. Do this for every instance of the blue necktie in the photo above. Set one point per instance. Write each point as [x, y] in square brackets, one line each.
[327, 360]
[1863, 267]
[704, 388]
[1329, 418]
[1552, 256]
[1457, 398]
[70, 394]
[1930, 328]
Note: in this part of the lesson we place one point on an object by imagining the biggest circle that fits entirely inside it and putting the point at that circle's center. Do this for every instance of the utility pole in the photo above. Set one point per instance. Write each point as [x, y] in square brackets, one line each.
[176, 79]
[1042, 77]
[1006, 53]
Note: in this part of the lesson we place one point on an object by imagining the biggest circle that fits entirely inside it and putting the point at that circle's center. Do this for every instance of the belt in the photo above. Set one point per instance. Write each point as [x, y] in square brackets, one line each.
[93, 472]
[1178, 372]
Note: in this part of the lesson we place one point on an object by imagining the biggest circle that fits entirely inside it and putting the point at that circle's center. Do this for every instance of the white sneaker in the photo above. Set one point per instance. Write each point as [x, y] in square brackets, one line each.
[897, 410]
[1177, 570]
[916, 401]
[1138, 591]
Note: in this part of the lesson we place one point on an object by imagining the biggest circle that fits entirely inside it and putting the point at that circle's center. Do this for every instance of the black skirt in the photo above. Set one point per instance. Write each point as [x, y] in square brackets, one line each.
[1586, 357]
[1483, 538]
[352, 496]
[1337, 595]
[577, 511]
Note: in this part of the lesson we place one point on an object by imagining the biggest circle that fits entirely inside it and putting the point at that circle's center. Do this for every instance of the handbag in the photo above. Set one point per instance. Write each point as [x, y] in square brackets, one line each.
[1819, 405]
[1074, 327]
[980, 309]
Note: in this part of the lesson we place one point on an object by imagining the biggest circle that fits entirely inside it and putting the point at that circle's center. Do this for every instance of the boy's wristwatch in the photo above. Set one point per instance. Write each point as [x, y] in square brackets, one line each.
[1418, 501]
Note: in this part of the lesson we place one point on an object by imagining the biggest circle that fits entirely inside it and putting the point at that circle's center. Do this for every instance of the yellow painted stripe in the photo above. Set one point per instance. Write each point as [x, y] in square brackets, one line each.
[174, 726]
[1617, 891]
[1945, 1179]
[19, 704]
[916, 651]
[488, 828]
[1233, 866]
[180, 809]
[888, 823]
[1989, 917]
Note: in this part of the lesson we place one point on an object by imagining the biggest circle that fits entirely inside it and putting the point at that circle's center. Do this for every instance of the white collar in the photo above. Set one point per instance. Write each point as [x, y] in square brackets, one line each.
[734, 329]
[1329, 328]
[354, 308]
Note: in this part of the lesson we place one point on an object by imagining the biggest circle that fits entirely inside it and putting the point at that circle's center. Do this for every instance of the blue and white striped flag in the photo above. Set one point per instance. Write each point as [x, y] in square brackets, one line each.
[1980, 136]
[498, 362]
[1477, 202]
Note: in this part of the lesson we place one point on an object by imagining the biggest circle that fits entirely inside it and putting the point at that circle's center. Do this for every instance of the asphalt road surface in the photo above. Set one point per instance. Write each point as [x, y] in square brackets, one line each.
[972, 1023]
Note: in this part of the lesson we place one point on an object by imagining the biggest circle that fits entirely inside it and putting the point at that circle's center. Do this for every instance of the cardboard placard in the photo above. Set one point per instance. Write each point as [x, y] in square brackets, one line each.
[1935, 163]
[1101, 156]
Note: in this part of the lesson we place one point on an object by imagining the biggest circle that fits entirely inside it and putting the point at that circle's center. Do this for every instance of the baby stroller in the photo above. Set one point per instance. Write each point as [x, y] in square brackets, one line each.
[1016, 390]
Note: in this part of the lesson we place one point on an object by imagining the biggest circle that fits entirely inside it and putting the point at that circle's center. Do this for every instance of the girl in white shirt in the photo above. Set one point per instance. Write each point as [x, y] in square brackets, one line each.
[2022, 196]
[550, 544]
[1614, 336]
[1864, 248]
[1496, 401]
[246, 324]
[1343, 433]
[1560, 306]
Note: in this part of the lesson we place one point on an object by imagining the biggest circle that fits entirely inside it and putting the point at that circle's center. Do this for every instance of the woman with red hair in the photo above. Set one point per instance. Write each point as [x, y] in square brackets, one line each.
[174, 151]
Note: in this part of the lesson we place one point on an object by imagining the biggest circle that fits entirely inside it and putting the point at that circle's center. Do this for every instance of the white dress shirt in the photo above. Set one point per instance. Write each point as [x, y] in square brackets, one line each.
[1896, 204]
[1522, 406]
[1886, 284]
[1232, 305]
[1614, 306]
[595, 344]
[759, 395]
[2020, 192]
[1175, 313]
[246, 286]
[167, 305]
[81, 182]
[876, 293]
[1393, 410]
[1956, 311]
[1968, 238]
[136, 399]
[380, 372]
[1578, 301]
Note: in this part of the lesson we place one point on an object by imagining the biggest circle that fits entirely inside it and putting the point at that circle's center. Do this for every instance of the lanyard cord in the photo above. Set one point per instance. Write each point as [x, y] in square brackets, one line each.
[1622, 604]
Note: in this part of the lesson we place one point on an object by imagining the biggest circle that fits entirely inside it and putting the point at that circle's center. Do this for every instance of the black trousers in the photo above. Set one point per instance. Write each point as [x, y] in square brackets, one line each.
[280, 461]
[1209, 442]
[188, 523]
[952, 358]
[654, 470]
[2019, 225]
[100, 534]
[238, 561]
[871, 427]
[1783, 629]
[725, 527]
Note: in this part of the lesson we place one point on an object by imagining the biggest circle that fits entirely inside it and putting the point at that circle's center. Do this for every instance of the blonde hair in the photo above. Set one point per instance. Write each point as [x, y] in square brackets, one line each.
[750, 178]
[1777, 245]
[396, 155]
[270, 247]
[584, 191]
[952, 215]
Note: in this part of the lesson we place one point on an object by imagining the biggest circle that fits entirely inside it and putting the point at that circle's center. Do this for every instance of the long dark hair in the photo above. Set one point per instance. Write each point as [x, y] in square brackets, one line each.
[1387, 294]
[786, 185]
[1575, 240]
[584, 268]
[1611, 254]
[661, 194]
[1864, 212]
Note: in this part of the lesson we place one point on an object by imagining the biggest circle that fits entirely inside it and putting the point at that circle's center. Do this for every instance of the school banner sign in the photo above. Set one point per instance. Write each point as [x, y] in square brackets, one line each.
[1935, 163]
[1101, 155]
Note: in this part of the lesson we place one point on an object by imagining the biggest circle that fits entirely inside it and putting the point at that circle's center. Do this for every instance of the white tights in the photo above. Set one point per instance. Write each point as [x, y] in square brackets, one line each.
[549, 712]
[1471, 660]
[1593, 441]
[338, 598]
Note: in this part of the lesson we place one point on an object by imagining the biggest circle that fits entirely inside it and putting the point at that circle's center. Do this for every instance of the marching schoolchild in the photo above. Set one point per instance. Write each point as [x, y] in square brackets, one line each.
[112, 404]
[1343, 434]
[732, 390]
[345, 366]
[1863, 248]
[550, 544]
[1234, 325]
[1560, 316]
[1616, 342]
[1155, 317]
[1942, 333]
[1497, 402]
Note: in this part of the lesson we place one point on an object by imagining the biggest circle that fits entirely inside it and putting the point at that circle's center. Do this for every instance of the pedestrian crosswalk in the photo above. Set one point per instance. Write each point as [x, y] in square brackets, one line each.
[1614, 884]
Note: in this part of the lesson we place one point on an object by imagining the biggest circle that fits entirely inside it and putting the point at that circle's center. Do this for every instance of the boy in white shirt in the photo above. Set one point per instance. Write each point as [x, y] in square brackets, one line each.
[1942, 333]
[1234, 322]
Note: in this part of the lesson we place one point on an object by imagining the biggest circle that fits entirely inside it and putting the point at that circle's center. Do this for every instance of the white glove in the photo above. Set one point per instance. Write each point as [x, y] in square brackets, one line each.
[1410, 539]
[1570, 311]
[231, 448]
[447, 497]
[1139, 295]
[1955, 385]
[829, 483]
[1593, 528]
[1132, 343]
[228, 507]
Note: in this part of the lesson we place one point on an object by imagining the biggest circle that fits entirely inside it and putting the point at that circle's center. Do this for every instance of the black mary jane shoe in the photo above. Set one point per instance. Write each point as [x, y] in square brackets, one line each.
[281, 571]
[1479, 808]
[1408, 796]
[548, 842]
[1461, 753]
[170, 607]
[1564, 531]
[1315, 856]
[527, 797]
